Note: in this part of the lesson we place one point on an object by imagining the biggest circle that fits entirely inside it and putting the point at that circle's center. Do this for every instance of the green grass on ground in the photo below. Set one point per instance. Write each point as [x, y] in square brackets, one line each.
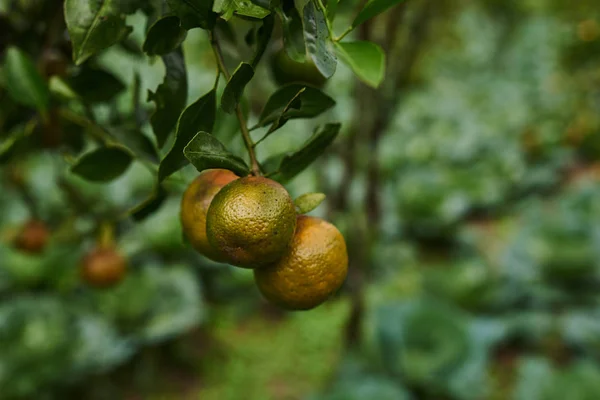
[287, 359]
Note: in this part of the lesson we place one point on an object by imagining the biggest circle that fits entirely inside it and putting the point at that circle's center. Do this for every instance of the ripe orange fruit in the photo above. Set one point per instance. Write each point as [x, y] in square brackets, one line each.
[194, 206]
[314, 267]
[33, 237]
[103, 267]
[251, 221]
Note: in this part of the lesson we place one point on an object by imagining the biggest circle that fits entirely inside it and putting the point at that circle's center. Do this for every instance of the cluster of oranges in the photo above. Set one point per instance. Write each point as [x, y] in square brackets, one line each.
[251, 222]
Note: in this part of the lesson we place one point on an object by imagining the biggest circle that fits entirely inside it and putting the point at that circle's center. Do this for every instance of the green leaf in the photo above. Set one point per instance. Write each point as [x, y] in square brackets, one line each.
[292, 164]
[293, 34]
[150, 205]
[308, 202]
[194, 13]
[366, 59]
[200, 115]
[61, 89]
[225, 8]
[294, 103]
[95, 25]
[23, 82]
[206, 152]
[247, 8]
[262, 3]
[170, 97]
[263, 37]
[138, 143]
[235, 87]
[95, 85]
[318, 42]
[164, 36]
[313, 102]
[244, 8]
[331, 9]
[372, 9]
[12, 141]
[103, 164]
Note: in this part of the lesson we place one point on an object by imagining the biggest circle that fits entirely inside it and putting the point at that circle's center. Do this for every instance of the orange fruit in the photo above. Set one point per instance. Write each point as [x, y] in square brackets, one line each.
[314, 267]
[251, 221]
[194, 206]
[33, 237]
[103, 267]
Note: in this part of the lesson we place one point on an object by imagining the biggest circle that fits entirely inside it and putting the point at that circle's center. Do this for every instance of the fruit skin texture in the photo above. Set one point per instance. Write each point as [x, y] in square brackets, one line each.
[33, 237]
[194, 207]
[251, 222]
[103, 267]
[285, 70]
[313, 269]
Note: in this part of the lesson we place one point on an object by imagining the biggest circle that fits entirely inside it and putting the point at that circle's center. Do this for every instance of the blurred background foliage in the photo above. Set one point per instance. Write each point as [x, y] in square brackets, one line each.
[466, 187]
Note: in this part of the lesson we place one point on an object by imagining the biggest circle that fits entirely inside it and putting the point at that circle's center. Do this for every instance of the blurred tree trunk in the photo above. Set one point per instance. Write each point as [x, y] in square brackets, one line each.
[405, 31]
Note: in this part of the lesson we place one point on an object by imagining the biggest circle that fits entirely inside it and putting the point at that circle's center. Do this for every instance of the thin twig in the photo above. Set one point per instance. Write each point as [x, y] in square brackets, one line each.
[254, 167]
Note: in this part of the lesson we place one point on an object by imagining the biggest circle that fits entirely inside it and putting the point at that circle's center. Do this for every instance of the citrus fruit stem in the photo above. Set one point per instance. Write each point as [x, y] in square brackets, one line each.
[106, 235]
[254, 167]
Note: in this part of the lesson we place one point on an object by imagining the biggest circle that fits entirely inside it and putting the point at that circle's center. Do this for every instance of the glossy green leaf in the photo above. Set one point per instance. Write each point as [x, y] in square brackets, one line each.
[200, 115]
[61, 89]
[225, 8]
[170, 97]
[235, 87]
[164, 36]
[23, 82]
[294, 103]
[95, 25]
[263, 37]
[95, 85]
[247, 8]
[366, 59]
[150, 205]
[372, 9]
[294, 163]
[318, 42]
[206, 152]
[312, 101]
[141, 145]
[293, 33]
[244, 8]
[131, 47]
[194, 13]
[308, 202]
[103, 164]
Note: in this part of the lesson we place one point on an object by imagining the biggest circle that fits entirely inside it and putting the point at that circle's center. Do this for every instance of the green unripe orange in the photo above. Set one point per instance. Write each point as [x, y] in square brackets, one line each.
[285, 70]
[251, 222]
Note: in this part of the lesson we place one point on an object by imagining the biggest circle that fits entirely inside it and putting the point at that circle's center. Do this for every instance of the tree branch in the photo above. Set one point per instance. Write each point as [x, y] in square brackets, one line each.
[254, 167]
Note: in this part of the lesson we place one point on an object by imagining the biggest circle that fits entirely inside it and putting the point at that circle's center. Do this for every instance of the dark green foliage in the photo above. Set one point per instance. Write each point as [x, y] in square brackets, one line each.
[463, 175]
